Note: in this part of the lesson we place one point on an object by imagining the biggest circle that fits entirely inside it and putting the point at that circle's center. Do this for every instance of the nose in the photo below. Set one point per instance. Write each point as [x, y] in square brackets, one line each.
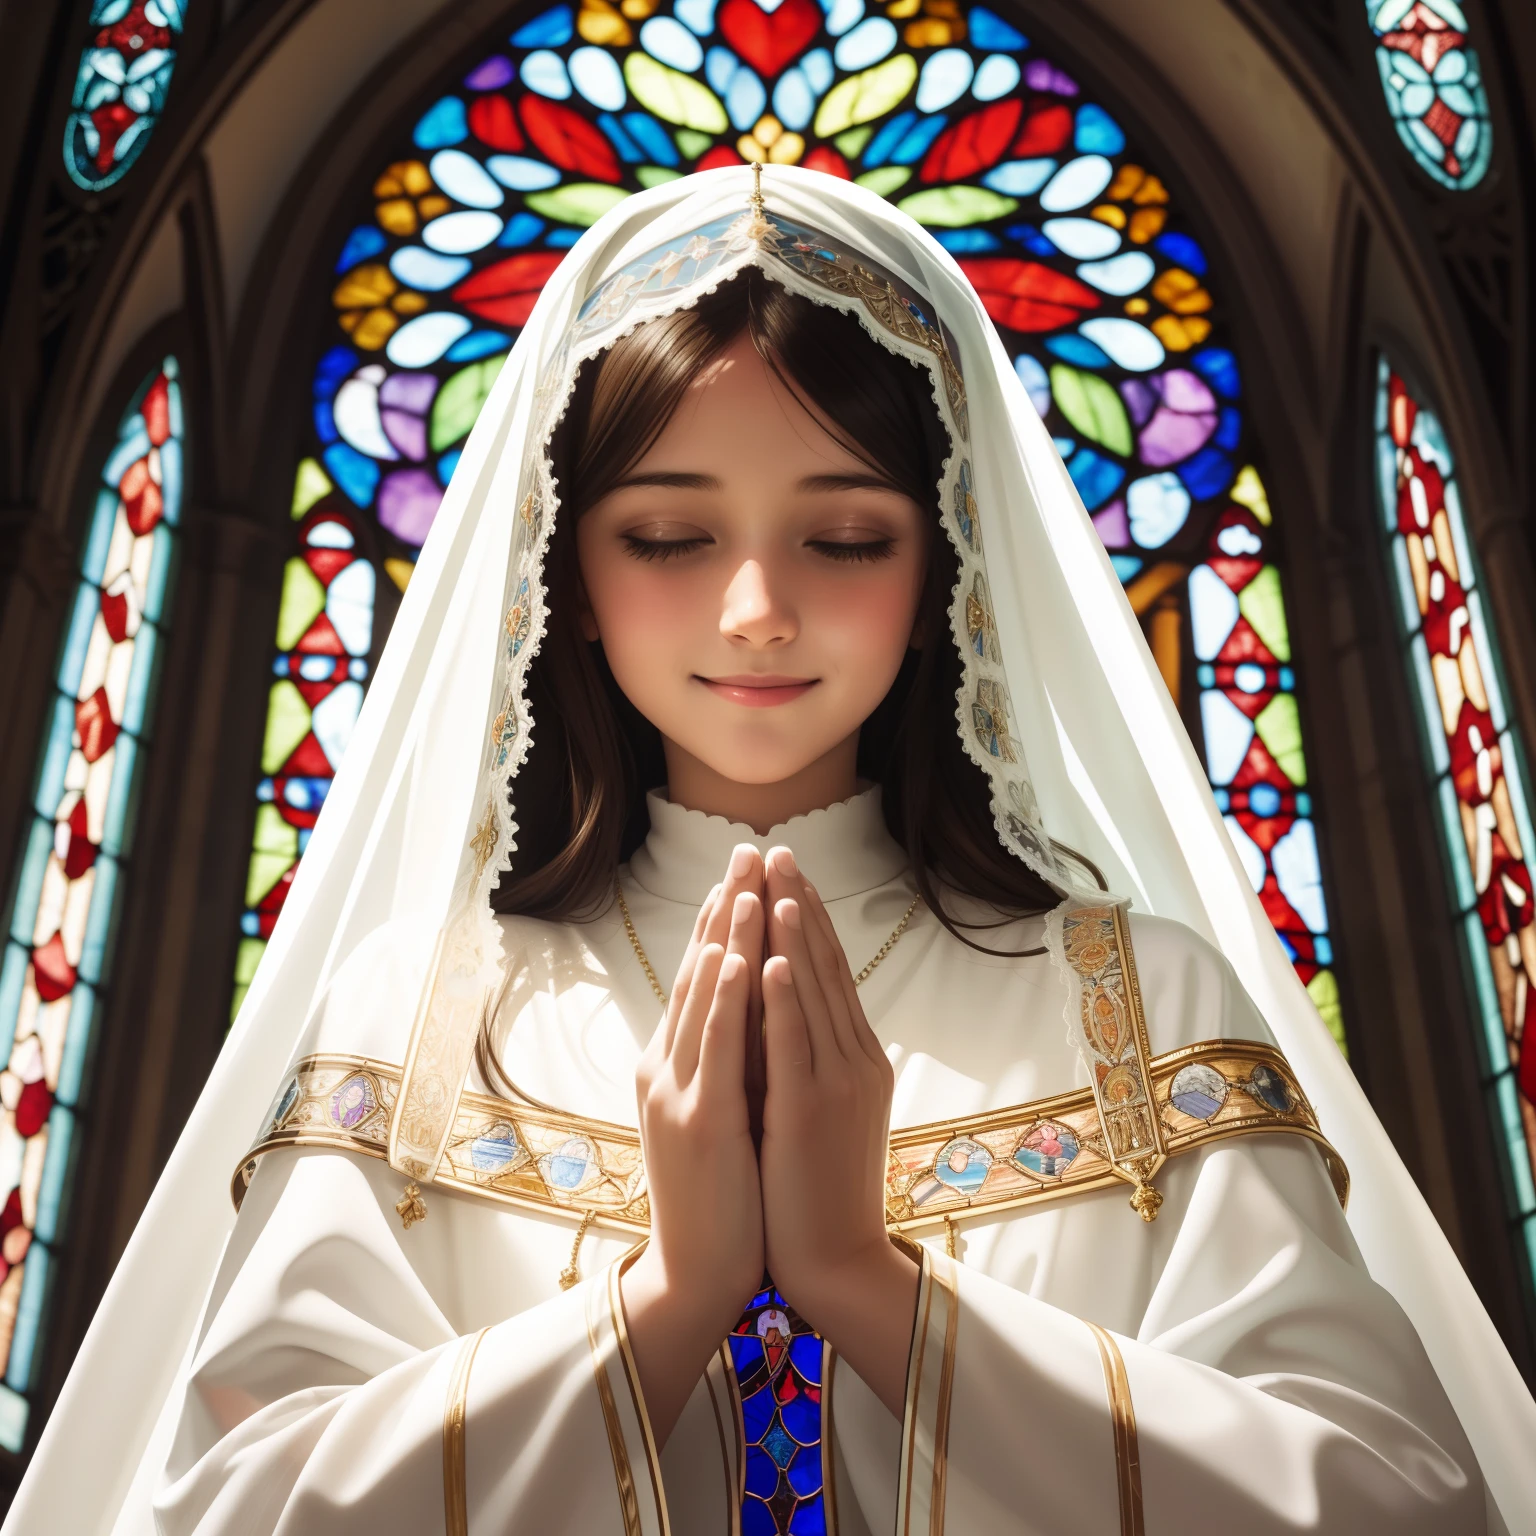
[756, 609]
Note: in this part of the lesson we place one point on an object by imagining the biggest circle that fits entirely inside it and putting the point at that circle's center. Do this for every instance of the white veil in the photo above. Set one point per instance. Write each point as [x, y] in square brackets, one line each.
[416, 829]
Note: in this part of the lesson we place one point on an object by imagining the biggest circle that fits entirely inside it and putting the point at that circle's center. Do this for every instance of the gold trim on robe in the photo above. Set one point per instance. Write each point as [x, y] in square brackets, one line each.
[515, 1154]
[1122, 1415]
[455, 1478]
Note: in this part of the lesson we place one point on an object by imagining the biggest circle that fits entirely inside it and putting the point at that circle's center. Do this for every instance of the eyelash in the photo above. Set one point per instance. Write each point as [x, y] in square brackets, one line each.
[661, 550]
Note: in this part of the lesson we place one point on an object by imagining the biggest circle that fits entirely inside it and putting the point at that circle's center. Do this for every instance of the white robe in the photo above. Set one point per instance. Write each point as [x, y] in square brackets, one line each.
[1275, 1386]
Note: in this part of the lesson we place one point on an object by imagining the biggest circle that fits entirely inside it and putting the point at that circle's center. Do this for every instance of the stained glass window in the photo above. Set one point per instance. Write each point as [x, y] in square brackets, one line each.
[1475, 759]
[120, 85]
[1099, 285]
[58, 944]
[1434, 87]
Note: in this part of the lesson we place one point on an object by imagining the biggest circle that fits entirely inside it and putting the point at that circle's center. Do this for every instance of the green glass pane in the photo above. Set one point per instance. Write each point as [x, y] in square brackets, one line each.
[302, 603]
[852, 143]
[1323, 989]
[1279, 728]
[309, 485]
[274, 849]
[1261, 604]
[951, 207]
[287, 725]
[655, 175]
[691, 143]
[581, 203]
[1092, 406]
[862, 98]
[677, 97]
[247, 958]
[460, 400]
[885, 179]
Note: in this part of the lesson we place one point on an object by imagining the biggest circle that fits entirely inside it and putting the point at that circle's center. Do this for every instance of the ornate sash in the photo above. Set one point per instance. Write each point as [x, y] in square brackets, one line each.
[515, 1154]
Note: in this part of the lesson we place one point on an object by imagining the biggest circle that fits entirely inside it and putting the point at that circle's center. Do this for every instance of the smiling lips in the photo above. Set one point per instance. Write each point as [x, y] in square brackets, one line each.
[759, 691]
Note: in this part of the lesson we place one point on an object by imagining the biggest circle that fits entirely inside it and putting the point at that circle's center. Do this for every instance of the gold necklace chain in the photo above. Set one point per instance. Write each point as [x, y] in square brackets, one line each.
[859, 980]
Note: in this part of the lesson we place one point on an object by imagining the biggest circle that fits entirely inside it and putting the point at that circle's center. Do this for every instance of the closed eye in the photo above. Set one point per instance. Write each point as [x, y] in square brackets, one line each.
[869, 549]
[662, 549]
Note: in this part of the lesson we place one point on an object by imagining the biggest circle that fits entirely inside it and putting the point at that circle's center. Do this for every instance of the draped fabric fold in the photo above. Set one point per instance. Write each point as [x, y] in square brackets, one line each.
[1063, 710]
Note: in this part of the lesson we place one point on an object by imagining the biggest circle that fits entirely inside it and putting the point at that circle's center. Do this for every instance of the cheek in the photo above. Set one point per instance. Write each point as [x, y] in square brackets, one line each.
[869, 620]
[639, 610]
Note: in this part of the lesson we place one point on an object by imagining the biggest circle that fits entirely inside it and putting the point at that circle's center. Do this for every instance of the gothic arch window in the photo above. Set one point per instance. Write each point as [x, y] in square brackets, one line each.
[1099, 283]
[1433, 83]
[69, 889]
[120, 85]
[1474, 757]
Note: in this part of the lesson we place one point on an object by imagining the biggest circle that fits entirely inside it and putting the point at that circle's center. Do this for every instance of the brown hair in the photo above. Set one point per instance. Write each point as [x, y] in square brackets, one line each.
[595, 755]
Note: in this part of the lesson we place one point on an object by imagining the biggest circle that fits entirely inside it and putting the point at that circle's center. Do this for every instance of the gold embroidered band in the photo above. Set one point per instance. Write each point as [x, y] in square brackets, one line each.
[1114, 1043]
[1122, 1418]
[604, 1346]
[455, 1479]
[514, 1154]
[930, 1388]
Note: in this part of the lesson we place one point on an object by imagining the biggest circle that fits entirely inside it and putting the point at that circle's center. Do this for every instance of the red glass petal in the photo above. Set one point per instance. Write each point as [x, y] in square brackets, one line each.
[1045, 131]
[157, 411]
[506, 293]
[114, 613]
[312, 693]
[569, 140]
[491, 120]
[1026, 296]
[142, 503]
[94, 722]
[32, 1108]
[973, 143]
[52, 973]
[10, 1217]
[827, 160]
[1243, 644]
[721, 154]
[767, 42]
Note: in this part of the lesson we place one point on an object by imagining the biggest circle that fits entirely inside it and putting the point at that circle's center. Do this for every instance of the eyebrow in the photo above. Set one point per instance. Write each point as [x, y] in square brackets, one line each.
[678, 480]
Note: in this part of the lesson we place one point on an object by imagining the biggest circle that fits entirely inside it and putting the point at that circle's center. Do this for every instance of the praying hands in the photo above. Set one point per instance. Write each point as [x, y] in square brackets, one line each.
[765, 1002]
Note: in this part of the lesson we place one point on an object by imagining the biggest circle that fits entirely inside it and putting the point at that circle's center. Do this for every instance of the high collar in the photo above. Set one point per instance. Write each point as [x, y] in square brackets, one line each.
[843, 850]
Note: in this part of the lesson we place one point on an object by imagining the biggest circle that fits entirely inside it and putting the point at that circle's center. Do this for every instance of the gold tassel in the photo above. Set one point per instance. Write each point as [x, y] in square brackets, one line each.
[951, 1236]
[410, 1207]
[571, 1274]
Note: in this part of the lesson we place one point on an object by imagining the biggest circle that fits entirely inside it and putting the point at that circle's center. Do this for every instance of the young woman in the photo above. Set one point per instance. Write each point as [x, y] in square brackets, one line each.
[763, 673]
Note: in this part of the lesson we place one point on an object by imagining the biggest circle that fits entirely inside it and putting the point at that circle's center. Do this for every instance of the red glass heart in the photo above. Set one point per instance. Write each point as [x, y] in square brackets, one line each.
[768, 42]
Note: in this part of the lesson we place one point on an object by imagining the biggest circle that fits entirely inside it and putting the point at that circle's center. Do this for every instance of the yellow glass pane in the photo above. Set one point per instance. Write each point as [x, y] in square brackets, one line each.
[398, 216]
[1180, 291]
[1261, 603]
[1126, 181]
[1248, 491]
[1145, 223]
[363, 286]
[287, 725]
[1107, 213]
[1179, 335]
[602, 24]
[1279, 728]
[399, 572]
[98, 787]
[119, 666]
[374, 329]
[1323, 989]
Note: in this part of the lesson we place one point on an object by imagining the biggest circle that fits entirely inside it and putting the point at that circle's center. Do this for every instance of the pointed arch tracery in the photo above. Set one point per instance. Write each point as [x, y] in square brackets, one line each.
[1099, 280]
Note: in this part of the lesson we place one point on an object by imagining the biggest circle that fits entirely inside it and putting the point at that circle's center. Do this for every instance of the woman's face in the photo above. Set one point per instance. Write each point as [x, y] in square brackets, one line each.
[754, 585]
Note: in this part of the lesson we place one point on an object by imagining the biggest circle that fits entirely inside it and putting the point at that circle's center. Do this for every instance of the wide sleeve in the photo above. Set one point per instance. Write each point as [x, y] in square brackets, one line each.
[1271, 1387]
[1230, 1366]
[330, 1393]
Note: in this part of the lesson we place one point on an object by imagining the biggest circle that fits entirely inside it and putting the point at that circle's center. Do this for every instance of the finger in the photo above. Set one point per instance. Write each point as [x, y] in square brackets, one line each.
[684, 1055]
[861, 1035]
[744, 874]
[790, 946]
[786, 1039]
[723, 1051]
[825, 954]
[684, 978]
